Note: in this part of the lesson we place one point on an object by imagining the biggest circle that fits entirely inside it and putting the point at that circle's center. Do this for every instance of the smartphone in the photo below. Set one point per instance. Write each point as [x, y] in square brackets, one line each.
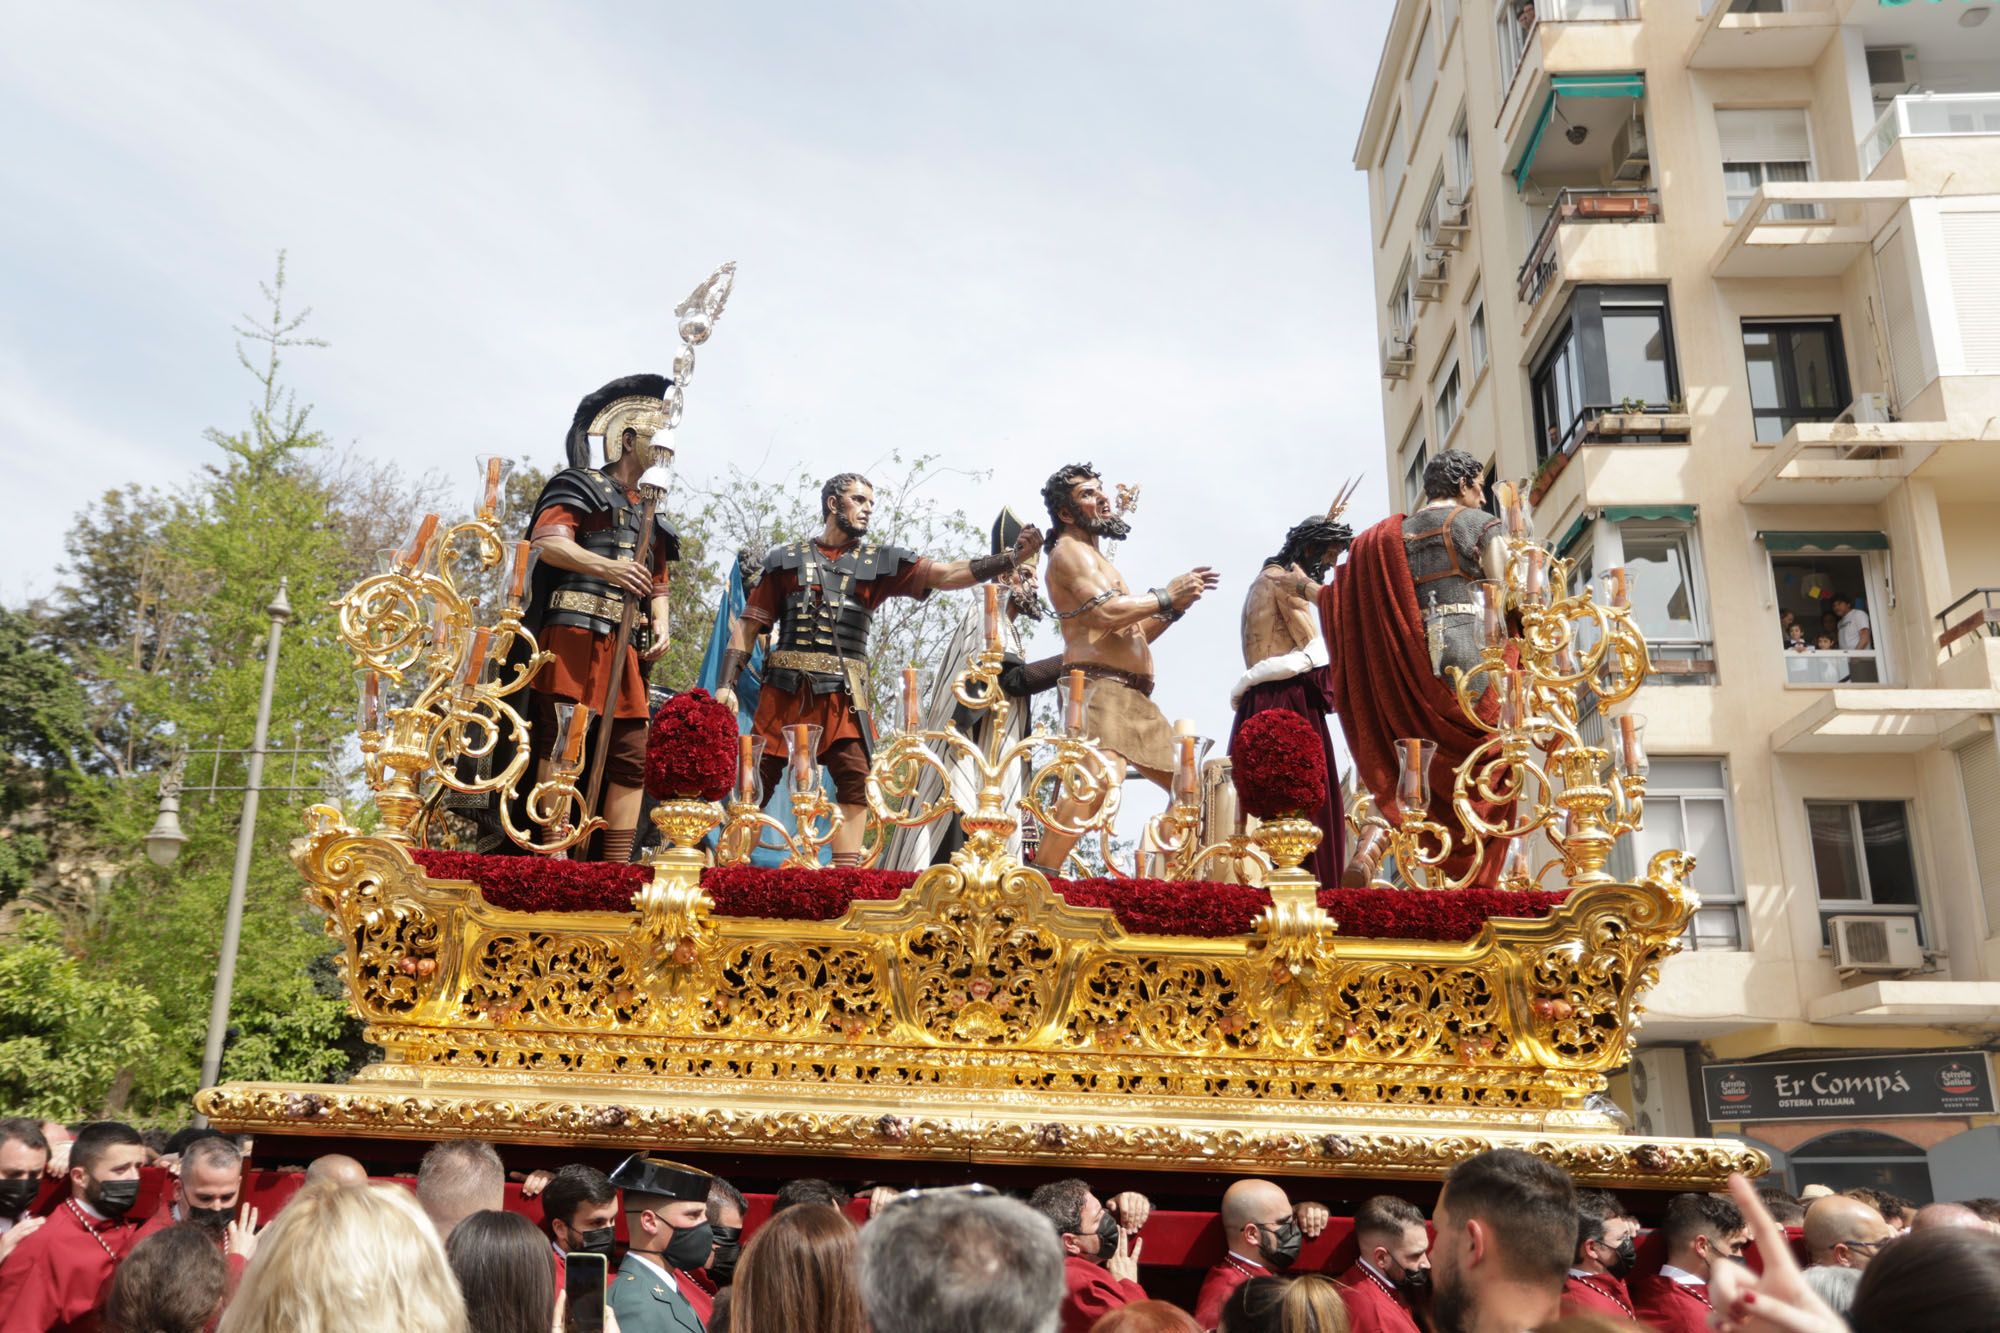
[584, 1276]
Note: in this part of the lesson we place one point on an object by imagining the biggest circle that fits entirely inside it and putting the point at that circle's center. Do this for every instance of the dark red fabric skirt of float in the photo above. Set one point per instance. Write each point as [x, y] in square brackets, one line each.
[1308, 695]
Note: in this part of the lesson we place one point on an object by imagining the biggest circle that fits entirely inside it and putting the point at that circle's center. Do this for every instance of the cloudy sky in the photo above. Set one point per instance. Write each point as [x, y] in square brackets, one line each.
[1015, 234]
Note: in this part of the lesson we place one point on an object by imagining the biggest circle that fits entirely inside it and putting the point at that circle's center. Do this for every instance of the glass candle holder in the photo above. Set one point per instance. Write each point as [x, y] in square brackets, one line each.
[1535, 576]
[476, 645]
[1513, 700]
[572, 729]
[1413, 774]
[493, 470]
[525, 557]
[1073, 704]
[802, 756]
[1491, 599]
[1628, 745]
[1187, 779]
[413, 555]
[389, 560]
[750, 770]
[913, 713]
[1614, 589]
[371, 701]
[991, 613]
[1516, 864]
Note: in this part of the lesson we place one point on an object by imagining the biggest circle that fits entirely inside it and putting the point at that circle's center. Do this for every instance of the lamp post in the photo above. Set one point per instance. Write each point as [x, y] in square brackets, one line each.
[280, 611]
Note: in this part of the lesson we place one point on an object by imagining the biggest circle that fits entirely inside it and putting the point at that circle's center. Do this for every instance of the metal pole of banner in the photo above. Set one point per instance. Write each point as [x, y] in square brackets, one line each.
[280, 611]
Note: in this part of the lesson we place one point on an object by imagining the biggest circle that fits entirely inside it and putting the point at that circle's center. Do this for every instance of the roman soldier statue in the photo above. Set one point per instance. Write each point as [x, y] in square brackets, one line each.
[1020, 681]
[817, 597]
[589, 530]
[1402, 621]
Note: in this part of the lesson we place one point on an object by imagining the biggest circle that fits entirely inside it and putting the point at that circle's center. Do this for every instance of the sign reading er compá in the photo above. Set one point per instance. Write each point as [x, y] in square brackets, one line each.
[1865, 1087]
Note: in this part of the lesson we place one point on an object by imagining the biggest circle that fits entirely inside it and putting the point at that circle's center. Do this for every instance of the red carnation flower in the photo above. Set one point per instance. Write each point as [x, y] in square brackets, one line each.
[1278, 765]
[691, 749]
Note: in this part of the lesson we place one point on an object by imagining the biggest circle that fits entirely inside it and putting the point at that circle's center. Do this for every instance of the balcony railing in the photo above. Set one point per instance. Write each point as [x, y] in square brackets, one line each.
[1578, 205]
[1516, 20]
[1924, 115]
[1831, 666]
[1977, 610]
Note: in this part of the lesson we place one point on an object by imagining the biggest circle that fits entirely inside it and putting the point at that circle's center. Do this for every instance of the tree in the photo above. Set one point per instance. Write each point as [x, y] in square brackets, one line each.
[68, 1033]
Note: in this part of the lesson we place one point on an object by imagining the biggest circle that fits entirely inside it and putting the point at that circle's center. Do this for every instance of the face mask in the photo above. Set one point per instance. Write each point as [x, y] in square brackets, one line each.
[1627, 1251]
[113, 1198]
[16, 1195]
[690, 1246]
[1107, 1237]
[597, 1240]
[1280, 1244]
[217, 1218]
[728, 1245]
[1414, 1282]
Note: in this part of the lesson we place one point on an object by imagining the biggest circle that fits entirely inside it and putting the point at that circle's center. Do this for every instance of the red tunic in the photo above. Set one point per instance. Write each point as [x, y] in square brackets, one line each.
[1597, 1293]
[234, 1263]
[833, 714]
[1670, 1306]
[582, 662]
[56, 1278]
[699, 1289]
[1093, 1293]
[1222, 1280]
[1373, 1306]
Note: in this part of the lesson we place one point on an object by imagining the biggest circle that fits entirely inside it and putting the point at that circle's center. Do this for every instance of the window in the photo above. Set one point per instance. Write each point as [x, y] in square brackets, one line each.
[1669, 601]
[1767, 144]
[1444, 396]
[1825, 645]
[1796, 374]
[1423, 72]
[1412, 454]
[1512, 22]
[1862, 856]
[1615, 346]
[1688, 806]
[1394, 159]
[1461, 154]
[1475, 335]
[1402, 303]
[1427, 219]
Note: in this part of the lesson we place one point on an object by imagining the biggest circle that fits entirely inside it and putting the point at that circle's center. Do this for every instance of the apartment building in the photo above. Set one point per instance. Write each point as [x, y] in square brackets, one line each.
[1723, 281]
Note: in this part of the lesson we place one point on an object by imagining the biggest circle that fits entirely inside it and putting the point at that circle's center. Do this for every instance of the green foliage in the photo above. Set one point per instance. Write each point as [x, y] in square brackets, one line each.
[67, 1030]
[41, 703]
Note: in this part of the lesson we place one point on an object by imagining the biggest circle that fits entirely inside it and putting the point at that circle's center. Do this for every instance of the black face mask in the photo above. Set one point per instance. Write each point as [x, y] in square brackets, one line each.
[1627, 1251]
[690, 1246]
[16, 1195]
[113, 1198]
[1280, 1244]
[217, 1218]
[597, 1240]
[1414, 1282]
[1107, 1237]
[728, 1245]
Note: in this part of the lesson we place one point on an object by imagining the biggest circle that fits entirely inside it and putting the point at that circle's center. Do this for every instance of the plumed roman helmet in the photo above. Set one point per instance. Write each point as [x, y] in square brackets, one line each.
[635, 402]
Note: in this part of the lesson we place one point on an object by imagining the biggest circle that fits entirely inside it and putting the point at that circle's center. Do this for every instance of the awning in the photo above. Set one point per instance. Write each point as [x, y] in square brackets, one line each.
[1824, 541]
[1621, 514]
[1573, 85]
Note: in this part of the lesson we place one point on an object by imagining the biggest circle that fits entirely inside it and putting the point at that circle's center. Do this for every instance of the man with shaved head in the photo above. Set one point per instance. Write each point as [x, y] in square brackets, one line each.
[1263, 1236]
[1940, 1216]
[336, 1169]
[1844, 1232]
[458, 1178]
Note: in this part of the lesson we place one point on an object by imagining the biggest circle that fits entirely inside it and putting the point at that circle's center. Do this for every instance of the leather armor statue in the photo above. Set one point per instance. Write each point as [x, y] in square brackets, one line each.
[565, 597]
[1447, 547]
[820, 644]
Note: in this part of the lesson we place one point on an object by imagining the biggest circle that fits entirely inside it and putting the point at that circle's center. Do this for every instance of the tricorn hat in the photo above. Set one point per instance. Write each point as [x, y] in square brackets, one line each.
[577, 443]
[640, 1174]
[1007, 531]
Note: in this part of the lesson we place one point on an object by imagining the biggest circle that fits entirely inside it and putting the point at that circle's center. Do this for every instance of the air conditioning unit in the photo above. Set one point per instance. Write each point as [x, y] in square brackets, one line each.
[1433, 267]
[1399, 355]
[1875, 944]
[1868, 408]
[1892, 70]
[1629, 151]
[1448, 223]
[1661, 1098]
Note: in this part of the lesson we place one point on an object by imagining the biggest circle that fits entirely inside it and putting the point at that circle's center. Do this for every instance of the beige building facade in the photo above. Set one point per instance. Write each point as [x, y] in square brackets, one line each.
[1723, 281]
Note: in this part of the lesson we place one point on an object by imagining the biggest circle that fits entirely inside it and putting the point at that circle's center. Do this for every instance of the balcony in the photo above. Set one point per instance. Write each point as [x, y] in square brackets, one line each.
[1847, 461]
[1762, 34]
[1975, 614]
[1807, 229]
[1561, 246]
[1936, 119]
[1540, 39]
[1874, 720]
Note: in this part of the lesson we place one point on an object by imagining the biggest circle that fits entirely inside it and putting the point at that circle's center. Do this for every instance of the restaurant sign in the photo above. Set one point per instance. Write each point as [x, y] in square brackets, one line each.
[1865, 1087]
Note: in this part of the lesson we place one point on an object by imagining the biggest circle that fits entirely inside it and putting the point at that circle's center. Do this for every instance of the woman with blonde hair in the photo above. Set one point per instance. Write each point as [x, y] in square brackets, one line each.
[1307, 1303]
[797, 1273]
[360, 1259]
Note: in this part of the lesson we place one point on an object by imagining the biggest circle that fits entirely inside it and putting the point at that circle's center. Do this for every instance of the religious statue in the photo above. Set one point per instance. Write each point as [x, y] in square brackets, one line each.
[1020, 680]
[1285, 658]
[1403, 621]
[818, 597]
[1108, 631]
[600, 545]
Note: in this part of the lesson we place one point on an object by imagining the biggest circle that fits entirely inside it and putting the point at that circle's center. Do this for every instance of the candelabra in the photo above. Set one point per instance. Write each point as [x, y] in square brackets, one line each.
[1526, 695]
[815, 818]
[413, 625]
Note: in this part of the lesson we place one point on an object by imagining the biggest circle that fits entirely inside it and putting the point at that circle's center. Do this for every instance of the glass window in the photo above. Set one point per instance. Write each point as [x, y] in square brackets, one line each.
[1825, 644]
[1796, 374]
[1402, 303]
[1475, 335]
[1663, 578]
[1614, 344]
[1862, 853]
[1427, 219]
[1461, 153]
[1635, 354]
[1412, 454]
[1512, 22]
[1446, 400]
[1394, 159]
[1688, 806]
[1423, 71]
[1764, 144]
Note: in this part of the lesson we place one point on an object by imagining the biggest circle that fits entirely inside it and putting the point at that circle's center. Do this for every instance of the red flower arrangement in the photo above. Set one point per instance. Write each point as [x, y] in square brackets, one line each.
[1278, 766]
[1142, 906]
[691, 749]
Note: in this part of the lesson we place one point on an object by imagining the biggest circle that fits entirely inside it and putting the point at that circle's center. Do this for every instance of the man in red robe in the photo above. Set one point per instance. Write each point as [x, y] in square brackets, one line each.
[206, 1192]
[1393, 1268]
[1607, 1246]
[1264, 1234]
[56, 1278]
[1701, 1230]
[1100, 1256]
[1399, 617]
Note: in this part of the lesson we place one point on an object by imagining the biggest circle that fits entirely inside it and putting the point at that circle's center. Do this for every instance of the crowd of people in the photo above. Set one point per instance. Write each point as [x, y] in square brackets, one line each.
[1511, 1245]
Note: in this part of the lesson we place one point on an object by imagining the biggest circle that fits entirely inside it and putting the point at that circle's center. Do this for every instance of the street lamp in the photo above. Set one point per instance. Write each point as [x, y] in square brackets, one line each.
[164, 839]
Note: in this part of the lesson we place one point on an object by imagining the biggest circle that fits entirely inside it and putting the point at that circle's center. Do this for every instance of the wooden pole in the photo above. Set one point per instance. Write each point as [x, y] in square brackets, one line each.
[601, 751]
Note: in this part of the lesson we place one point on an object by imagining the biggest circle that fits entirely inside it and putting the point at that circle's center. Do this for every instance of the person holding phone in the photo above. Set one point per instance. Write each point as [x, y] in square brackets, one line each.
[666, 1219]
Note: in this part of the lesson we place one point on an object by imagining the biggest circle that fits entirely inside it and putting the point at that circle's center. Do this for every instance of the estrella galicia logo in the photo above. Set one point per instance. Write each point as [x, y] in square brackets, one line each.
[1956, 1080]
[1733, 1087]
